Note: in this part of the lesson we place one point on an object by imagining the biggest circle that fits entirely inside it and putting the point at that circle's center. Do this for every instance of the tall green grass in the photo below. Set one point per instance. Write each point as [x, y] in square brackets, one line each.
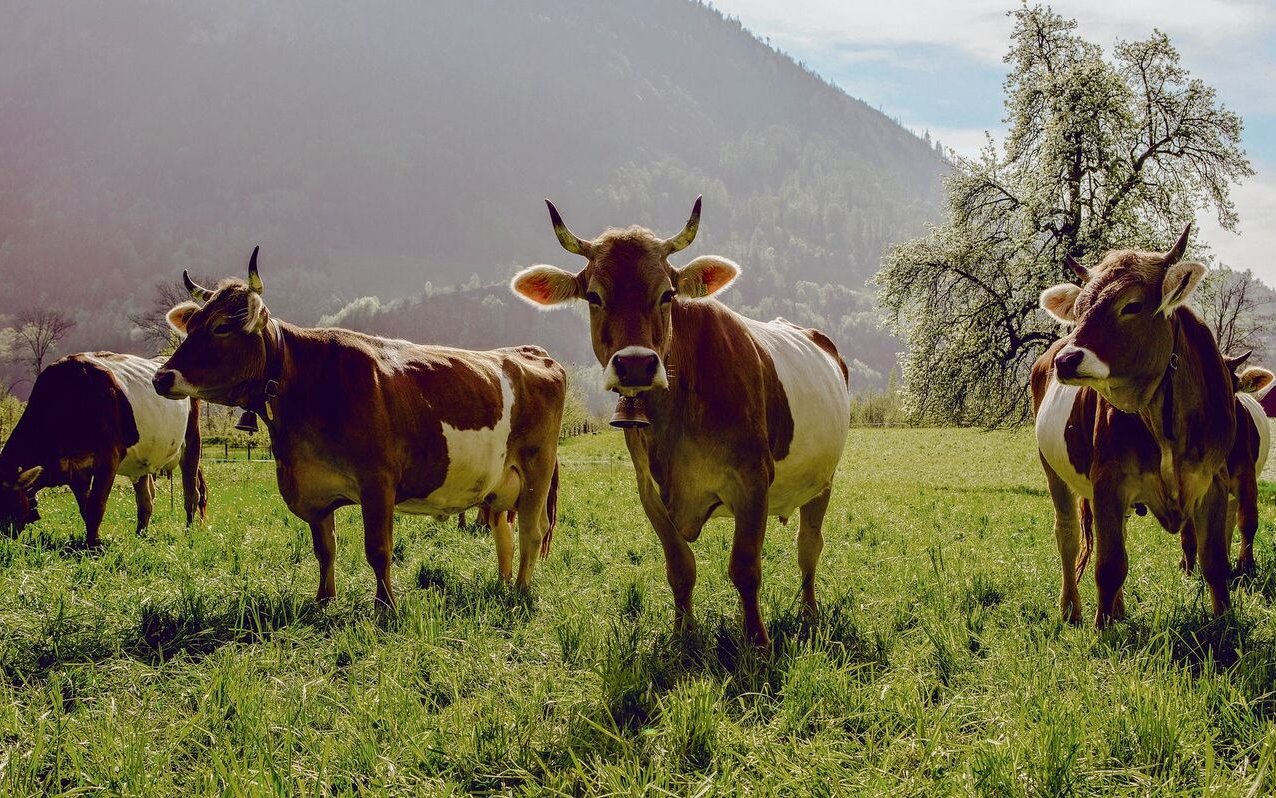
[193, 662]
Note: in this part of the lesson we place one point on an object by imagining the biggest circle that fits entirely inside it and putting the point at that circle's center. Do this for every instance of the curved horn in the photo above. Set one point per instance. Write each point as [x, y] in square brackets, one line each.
[254, 279]
[1076, 266]
[1233, 362]
[688, 234]
[566, 237]
[1176, 252]
[197, 291]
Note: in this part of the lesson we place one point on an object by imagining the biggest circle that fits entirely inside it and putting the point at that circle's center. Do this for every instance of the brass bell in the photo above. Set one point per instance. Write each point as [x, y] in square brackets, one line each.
[247, 421]
[631, 413]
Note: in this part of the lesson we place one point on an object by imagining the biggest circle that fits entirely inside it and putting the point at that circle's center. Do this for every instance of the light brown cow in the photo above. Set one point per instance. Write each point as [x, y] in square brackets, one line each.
[385, 424]
[1135, 405]
[747, 419]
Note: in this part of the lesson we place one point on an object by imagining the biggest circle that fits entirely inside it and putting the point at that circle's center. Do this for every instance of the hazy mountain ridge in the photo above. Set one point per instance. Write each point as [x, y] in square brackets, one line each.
[371, 149]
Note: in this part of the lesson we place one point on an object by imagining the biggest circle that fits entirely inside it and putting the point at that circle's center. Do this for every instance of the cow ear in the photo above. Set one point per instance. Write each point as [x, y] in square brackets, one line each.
[1255, 380]
[256, 316]
[1180, 281]
[27, 478]
[706, 276]
[545, 286]
[180, 315]
[1059, 300]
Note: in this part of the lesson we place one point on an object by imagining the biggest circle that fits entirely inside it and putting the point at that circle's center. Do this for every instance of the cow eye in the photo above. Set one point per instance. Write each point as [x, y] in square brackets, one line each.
[1132, 308]
[224, 328]
[594, 299]
[666, 297]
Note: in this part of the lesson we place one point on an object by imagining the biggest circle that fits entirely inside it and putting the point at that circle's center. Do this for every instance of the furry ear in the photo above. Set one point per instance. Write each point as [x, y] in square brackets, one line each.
[1180, 281]
[1255, 380]
[1058, 301]
[705, 276]
[545, 286]
[27, 478]
[180, 315]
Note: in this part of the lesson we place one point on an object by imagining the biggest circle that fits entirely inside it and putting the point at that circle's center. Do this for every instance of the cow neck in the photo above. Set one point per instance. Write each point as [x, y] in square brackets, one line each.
[265, 393]
[1163, 414]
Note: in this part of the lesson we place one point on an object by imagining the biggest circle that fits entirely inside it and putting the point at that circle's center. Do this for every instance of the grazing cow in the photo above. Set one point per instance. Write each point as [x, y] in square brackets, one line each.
[385, 424]
[92, 416]
[747, 418]
[1134, 406]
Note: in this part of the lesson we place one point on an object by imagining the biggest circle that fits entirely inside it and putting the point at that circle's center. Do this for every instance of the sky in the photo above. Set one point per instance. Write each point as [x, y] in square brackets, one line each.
[936, 65]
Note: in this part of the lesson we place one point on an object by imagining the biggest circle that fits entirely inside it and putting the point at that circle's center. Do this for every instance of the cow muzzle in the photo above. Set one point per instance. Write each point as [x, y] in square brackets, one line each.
[633, 370]
[169, 384]
[1076, 364]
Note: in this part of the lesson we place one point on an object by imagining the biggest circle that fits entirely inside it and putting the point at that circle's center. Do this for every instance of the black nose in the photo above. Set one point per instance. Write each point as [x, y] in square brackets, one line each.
[1067, 362]
[163, 381]
[636, 371]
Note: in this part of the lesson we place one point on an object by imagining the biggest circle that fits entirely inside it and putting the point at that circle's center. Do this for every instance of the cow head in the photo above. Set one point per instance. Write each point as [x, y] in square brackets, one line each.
[631, 289]
[223, 350]
[17, 497]
[1123, 340]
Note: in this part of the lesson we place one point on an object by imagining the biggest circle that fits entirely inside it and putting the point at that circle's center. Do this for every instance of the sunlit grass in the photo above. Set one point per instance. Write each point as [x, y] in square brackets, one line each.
[188, 662]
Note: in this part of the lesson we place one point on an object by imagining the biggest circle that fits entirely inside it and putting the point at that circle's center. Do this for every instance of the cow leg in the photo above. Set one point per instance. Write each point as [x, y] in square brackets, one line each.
[191, 490]
[1211, 518]
[503, 534]
[745, 569]
[377, 504]
[144, 492]
[810, 543]
[680, 561]
[323, 534]
[532, 513]
[1111, 563]
[1243, 512]
[1067, 532]
[1187, 539]
[93, 505]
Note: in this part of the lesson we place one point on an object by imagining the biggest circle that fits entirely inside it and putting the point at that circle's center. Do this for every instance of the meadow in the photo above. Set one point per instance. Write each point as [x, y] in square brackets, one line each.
[196, 662]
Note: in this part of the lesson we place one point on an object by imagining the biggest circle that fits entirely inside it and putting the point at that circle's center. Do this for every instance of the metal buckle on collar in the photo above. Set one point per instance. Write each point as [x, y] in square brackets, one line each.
[271, 390]
[1174, 361]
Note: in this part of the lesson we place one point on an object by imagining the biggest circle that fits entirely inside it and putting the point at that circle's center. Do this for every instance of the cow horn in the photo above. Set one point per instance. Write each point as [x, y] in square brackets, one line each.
[688, 234]
[254, 279]
[196, 290]
[1076, 266]
[566, 237]
[1234, 362]
[1176, 252]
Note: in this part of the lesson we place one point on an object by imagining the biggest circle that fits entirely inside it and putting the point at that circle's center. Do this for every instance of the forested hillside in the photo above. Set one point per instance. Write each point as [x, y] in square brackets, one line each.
[372, 149]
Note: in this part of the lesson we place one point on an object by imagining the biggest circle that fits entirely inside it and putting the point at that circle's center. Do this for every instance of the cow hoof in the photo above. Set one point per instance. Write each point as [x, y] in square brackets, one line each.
[1187, 567]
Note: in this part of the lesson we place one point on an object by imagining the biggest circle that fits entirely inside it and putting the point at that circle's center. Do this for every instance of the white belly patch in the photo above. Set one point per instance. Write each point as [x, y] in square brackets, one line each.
[1259, 417]
[476, 463]
[161, 423]
[820, 404]
[1052, 425]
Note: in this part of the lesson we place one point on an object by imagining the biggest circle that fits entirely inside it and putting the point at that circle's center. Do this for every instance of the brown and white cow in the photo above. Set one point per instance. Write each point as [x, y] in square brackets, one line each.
[385, 424]
[747, 418]
[1134, 406]
[90, 417]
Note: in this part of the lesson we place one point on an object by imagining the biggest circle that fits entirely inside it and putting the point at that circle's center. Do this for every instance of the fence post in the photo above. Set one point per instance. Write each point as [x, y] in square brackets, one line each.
[226, 449]
[250, 450]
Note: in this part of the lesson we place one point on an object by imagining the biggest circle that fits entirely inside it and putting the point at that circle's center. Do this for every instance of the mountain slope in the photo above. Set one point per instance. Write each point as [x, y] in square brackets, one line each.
[371, 148]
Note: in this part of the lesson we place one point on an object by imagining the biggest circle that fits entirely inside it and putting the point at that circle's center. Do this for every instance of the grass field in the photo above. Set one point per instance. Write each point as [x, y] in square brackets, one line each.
[196, 662]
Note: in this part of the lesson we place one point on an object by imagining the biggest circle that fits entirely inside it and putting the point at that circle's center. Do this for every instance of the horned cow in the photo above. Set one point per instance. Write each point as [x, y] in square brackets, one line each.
[385, 424]
[1134, 406]
[747, 419]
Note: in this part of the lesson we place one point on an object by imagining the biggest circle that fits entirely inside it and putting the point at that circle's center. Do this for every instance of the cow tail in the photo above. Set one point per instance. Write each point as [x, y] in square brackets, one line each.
[1087, 537]
[551, 509]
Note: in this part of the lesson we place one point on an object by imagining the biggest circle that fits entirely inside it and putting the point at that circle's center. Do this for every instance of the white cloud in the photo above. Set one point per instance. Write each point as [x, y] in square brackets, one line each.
[1253, 245]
